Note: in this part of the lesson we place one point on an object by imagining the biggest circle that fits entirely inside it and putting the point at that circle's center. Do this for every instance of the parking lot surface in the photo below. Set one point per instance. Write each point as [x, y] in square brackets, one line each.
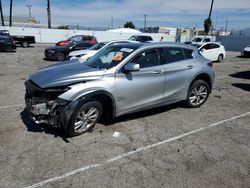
[171, 146]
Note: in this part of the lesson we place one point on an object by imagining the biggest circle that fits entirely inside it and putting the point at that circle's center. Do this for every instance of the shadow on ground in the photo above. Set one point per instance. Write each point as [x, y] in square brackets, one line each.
[32, 127]
[241, 56]
[141, 114]
[243, 75]
[245, 87]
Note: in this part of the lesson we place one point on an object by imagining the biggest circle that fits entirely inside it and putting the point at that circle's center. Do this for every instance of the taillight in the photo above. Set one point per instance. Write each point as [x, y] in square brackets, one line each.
[93, 40]
[210, 64]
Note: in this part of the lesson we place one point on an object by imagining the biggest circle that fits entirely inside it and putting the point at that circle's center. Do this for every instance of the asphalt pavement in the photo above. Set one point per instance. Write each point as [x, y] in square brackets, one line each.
[171, 146]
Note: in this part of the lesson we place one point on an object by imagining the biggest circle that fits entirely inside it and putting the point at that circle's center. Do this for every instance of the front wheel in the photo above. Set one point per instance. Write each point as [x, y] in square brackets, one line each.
[198, 94]
[8, 49]
[85, 117]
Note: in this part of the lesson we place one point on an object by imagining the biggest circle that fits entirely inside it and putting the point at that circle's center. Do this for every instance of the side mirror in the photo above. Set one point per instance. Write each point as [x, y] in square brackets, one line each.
[131, 67]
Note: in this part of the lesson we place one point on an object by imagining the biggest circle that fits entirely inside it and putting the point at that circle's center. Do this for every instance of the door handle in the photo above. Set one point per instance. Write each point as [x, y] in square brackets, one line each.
[157, 71]
[190, 66]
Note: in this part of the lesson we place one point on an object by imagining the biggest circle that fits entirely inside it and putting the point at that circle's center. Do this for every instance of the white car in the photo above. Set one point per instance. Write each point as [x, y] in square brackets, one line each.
[198, 41]
[212, 51]
[84, 55]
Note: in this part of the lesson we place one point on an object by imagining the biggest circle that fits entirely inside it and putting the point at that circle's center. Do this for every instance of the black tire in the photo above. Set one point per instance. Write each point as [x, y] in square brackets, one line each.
[220, 58]
[8, 49]
[198, 93]
[25, 44]
[77, 126]
[59, 56]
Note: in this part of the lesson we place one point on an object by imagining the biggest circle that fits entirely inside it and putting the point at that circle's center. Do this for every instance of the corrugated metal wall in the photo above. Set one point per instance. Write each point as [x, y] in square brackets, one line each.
[234, 43]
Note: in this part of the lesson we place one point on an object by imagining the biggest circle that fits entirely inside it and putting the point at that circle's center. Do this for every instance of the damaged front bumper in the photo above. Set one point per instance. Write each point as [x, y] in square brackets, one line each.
[43, 105]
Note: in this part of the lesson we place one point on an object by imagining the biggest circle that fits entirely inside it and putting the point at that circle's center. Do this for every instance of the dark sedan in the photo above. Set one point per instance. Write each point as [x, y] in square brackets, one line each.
[7, 43]
[60, 53]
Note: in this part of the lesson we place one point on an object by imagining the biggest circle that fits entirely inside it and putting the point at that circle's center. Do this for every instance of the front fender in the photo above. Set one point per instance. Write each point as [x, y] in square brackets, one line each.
[67, 111]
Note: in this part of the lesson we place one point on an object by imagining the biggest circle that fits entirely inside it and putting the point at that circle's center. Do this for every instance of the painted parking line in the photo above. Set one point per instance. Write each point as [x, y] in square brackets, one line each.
[10, 106]
[119, 157]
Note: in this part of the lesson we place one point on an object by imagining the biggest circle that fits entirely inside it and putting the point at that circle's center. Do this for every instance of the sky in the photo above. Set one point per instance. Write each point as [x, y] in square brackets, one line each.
[168, 13]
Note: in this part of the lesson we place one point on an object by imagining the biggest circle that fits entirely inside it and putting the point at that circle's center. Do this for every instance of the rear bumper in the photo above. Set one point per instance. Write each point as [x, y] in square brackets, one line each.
[246, 53]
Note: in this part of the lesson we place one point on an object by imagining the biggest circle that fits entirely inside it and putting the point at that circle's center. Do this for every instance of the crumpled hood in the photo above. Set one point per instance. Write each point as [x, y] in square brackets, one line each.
[64, 74]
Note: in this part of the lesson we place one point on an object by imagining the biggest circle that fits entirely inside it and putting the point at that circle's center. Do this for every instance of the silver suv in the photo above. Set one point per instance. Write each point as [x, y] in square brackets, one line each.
[119, 79]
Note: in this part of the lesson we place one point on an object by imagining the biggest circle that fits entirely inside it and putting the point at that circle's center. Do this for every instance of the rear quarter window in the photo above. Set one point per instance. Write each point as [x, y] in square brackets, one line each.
[174, 54]
[188, 53]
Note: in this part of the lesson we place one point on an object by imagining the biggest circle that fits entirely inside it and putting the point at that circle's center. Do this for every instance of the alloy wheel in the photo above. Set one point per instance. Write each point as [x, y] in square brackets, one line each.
[198, 95]
[86, 118]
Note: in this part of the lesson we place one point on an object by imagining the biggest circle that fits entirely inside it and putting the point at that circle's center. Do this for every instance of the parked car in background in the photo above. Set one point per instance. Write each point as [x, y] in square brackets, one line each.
[7, 43]
[141, 38]
[119, 79]
[77, 38]
[84, 55]
[60, 53]
[212, 51]
[246, 51]
[22, 40]
[198, 40]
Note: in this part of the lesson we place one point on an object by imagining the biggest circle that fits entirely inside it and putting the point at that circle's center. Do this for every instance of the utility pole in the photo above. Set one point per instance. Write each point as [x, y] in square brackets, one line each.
[1, 11]
[226, 27]
[29, 6]
[49, 14]
[211, 9]
[145, 22]
[10, 19]
[112, 21]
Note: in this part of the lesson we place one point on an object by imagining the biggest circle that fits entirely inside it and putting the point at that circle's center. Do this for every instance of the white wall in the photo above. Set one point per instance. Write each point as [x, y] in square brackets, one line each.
[54, 35]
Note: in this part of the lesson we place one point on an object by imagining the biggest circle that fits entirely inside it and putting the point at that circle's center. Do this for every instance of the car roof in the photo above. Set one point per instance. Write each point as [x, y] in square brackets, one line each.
[154, 45]
[211, 43]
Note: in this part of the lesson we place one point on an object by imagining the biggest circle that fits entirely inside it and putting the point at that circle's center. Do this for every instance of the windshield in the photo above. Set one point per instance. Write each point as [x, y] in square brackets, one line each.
[98, 46]
[197, 40]
[109, 57]
[76, 38]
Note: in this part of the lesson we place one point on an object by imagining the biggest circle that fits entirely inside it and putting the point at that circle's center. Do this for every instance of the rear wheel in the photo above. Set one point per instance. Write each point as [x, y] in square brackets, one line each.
[220, 58]
[198, 94]
[59, 56]
[85, 117]
[25, 44]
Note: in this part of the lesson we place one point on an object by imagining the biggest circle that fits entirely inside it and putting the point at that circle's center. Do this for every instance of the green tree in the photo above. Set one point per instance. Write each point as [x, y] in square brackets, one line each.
[129, 25]
[207, 25]
[63, 27]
